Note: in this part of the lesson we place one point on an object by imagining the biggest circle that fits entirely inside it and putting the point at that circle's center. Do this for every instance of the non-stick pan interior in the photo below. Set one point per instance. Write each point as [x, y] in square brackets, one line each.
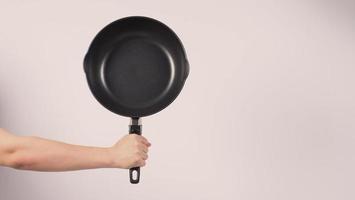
[136, 66]
[138, 72]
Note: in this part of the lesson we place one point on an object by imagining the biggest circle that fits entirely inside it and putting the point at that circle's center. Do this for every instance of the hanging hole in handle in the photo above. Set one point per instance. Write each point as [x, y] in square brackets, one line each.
[134, 175]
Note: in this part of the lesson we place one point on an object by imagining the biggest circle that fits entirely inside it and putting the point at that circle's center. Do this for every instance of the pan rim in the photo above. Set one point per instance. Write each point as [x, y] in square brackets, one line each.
[99, 96]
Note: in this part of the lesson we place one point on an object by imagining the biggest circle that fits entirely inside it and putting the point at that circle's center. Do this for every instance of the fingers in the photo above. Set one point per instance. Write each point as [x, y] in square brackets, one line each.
[141, 160]
[143, 148]
[144, 156]
[141, 163]
[141, 139]
[144, 140]
[141, 156]
[141, 145]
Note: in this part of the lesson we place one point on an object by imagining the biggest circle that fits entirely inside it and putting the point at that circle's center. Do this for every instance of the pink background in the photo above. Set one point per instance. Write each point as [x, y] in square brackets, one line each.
[268, 112]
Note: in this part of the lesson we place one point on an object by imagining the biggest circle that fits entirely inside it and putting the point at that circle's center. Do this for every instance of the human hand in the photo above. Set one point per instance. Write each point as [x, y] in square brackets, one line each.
[130, 151]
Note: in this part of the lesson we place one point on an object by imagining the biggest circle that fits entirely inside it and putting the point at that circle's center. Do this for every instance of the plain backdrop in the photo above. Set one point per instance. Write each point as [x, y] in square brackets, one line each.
[267, 113]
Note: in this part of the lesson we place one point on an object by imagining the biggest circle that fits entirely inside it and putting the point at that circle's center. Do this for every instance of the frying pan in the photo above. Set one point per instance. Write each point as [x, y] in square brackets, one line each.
[135, 67]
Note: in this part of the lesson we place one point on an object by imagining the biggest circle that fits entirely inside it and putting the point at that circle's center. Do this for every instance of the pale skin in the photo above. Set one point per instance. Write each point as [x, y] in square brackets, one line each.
[39, 154]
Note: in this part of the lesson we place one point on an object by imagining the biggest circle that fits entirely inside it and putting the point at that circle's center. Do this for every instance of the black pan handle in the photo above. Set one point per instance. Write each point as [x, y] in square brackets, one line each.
[187, 69]
[135, 128]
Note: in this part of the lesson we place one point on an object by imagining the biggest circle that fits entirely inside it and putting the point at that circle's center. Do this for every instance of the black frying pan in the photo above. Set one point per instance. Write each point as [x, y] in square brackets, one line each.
[135, 67]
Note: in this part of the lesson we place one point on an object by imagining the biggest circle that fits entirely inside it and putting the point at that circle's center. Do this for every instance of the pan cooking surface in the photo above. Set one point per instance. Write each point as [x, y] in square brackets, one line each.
[136, 66]
[137, 72]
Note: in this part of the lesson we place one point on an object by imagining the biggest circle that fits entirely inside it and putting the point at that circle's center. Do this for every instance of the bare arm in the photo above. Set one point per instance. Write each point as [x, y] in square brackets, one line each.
[33, 153]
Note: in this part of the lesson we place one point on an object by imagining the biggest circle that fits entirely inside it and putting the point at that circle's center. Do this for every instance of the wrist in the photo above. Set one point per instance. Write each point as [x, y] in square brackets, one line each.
[112, 161]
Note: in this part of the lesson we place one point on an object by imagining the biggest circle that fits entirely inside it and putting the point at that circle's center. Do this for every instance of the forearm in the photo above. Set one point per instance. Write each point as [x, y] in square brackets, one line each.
[32, 153]
[46, 155]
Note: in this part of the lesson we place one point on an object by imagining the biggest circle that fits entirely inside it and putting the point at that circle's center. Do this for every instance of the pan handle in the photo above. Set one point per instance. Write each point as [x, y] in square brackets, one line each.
[135, 127]
[187, 69]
